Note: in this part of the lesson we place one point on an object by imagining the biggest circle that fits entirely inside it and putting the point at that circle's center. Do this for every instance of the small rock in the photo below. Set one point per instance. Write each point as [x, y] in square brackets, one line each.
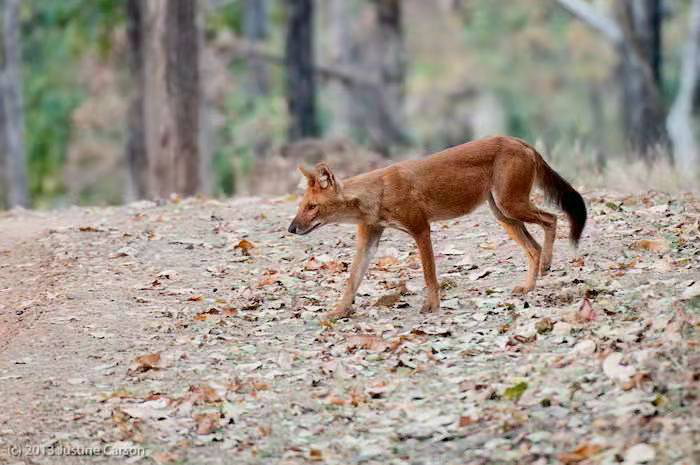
[544, 326]
[585, 347]
[613, 367]
[691, 292]
[452, 304]
[561, 328]
[640, 453]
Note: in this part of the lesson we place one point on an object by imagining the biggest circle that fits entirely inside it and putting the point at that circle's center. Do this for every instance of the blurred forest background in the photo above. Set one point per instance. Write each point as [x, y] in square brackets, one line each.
[106, 101]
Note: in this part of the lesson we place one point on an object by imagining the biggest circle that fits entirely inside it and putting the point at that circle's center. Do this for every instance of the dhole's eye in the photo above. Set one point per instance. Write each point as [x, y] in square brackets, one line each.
[311, 206]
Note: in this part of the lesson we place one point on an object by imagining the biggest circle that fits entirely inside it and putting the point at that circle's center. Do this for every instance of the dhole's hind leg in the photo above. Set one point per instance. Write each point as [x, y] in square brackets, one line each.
[517, 231]
[513, 182]
[550, 233]
[527, 213]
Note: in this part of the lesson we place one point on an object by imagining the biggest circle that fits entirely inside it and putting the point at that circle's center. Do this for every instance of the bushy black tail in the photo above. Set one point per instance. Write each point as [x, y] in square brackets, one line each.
[558, 191]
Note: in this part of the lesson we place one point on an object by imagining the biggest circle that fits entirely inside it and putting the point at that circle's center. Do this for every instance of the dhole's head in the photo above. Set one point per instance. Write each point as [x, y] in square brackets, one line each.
[322, 203]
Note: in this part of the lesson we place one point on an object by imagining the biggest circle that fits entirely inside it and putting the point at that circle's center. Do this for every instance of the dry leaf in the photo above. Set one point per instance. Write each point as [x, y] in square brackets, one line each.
[168, 274]
[229, 311]
[655, 245]
[545, 325]
[207, 423]
[388, 300]
[245, 246]
[465, 421]
[203, 394]
[371, 343]
[384, 263]
[163, 458]
[145, 363]
[202, 316]
[335, 266]
[581, 453]
[269, 277]
[312, 264]
[335, 400]
[585, 312]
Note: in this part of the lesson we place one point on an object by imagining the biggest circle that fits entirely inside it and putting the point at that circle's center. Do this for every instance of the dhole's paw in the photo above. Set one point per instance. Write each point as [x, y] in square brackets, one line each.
[545, 266]
[430, 307]
[521, 290]
[338, 313]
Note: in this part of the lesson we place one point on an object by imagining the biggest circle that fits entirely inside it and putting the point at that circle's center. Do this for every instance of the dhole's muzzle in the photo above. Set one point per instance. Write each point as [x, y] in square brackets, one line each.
[301, 225]
[322, 188]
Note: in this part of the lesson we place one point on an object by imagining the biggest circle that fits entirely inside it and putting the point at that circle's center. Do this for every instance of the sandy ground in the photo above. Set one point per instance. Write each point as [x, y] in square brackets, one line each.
[189, 332]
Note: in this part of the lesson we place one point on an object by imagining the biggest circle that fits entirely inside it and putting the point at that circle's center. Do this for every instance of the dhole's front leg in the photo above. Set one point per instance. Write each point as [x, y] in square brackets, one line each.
[367, 242]
[425, 248]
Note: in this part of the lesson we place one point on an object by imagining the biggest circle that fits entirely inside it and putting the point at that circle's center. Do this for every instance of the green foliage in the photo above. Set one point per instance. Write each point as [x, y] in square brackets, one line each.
[252, 128]
[228, 18]
[537, 60]
[55, 34]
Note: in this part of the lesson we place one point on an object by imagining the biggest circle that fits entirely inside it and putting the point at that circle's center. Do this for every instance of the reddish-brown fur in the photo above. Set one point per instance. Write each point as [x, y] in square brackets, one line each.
[411, 194]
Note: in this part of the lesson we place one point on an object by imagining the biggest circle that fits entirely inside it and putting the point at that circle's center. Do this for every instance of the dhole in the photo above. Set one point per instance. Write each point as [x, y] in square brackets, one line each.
[411, 194]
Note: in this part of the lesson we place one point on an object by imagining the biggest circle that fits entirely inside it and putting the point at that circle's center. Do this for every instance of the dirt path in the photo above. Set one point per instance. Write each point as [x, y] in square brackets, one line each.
[22, 256]
[149, 330]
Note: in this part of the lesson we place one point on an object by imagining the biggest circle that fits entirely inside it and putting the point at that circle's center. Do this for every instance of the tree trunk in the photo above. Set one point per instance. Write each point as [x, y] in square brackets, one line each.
[640, 76]
[391, 62]
[680, 118]
[343, 53]
[637, 37]
[255, 30]
[12, 106]
[4, 184]
[376, 113]
[172, 98]
[299, 63]
[136, 156]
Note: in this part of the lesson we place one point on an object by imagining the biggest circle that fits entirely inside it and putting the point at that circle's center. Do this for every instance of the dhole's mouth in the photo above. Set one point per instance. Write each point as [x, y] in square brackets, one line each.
[304, 233]
[294, 229]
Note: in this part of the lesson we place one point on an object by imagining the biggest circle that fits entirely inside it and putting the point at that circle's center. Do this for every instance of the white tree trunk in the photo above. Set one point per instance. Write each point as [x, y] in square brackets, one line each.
[680, 119]
[15, 164]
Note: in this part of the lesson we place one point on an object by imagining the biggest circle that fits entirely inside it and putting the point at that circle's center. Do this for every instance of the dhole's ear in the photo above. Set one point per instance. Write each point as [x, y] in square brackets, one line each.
[310, 176]
[326, 179]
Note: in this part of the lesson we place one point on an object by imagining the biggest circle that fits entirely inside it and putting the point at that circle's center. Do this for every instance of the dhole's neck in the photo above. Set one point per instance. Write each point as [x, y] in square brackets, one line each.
[355, 196]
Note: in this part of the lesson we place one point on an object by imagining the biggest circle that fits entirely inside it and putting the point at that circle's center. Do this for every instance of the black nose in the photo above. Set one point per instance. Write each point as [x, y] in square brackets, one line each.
[292, 228]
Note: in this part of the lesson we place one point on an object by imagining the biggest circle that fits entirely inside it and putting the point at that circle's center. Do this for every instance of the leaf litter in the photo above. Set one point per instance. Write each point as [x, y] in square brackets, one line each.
[203, 341]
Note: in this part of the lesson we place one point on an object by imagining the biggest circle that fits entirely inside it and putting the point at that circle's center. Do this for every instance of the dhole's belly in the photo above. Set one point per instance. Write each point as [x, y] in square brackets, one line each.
[454, 196]
[449, 207]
